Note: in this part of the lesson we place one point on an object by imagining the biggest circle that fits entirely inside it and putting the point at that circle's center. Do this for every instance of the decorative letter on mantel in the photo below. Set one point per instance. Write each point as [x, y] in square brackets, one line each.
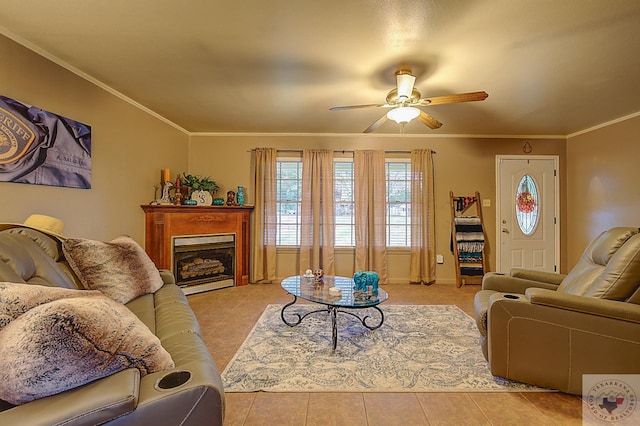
[163, 223]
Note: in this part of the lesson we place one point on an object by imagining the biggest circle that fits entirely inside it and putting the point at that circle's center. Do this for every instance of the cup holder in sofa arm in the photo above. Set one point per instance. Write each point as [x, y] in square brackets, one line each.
[511, 296]
[173, 380]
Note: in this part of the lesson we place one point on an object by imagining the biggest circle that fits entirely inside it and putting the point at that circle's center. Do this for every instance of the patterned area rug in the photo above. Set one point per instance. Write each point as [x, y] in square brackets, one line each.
[425, 348]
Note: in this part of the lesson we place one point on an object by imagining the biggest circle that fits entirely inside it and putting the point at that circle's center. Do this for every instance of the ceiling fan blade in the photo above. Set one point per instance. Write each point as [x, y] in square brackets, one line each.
[377, 124]
[428, 120]
[405, 85]
[340, 108]
[451, 99]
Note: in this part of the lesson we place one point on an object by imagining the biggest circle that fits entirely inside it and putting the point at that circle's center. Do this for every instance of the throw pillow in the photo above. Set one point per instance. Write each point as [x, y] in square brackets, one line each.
[67, 343]
[16, 299]
[120, 269]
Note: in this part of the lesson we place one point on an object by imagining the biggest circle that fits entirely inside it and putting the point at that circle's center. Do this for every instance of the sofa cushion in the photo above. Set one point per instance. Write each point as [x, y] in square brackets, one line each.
[66, 343]
[120, 269]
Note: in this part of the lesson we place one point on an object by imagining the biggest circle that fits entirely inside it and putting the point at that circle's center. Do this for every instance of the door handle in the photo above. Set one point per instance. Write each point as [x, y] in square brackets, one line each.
[505, 230]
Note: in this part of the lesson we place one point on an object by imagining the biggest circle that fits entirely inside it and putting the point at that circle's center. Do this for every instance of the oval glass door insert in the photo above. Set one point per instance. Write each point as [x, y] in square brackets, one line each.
[527, 205]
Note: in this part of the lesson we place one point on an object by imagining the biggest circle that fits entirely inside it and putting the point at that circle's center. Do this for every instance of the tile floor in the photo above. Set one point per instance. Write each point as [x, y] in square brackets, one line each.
[227, 316]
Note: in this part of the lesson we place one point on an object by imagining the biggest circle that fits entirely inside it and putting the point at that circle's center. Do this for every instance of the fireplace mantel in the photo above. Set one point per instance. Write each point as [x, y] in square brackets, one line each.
[162, 223]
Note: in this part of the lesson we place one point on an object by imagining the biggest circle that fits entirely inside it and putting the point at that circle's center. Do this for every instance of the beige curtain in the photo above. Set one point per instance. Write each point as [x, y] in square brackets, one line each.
[423, 259]
[263, 244]
[370, 198]
[318, 215]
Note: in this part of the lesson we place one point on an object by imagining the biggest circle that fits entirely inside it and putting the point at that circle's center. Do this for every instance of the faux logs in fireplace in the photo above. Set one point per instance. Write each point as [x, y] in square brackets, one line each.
[204, 262]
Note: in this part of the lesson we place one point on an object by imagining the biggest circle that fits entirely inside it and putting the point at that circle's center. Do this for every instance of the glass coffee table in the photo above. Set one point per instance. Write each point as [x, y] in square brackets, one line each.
[305, 288]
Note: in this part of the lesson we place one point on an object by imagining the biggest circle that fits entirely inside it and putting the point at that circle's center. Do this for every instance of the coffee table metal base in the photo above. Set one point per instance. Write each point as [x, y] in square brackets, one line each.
[332, 310]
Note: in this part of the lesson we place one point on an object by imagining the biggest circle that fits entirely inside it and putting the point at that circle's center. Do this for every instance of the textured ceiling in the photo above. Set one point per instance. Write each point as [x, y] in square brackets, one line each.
[549, 67]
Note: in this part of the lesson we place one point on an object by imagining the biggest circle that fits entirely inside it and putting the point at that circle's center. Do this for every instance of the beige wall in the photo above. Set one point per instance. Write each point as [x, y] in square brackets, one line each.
[462, 165]
[129, 147]
[603, 186]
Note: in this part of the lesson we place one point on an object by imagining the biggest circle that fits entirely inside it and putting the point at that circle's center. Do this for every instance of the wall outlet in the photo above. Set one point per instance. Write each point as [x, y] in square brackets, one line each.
[486, 203]
[439, 258]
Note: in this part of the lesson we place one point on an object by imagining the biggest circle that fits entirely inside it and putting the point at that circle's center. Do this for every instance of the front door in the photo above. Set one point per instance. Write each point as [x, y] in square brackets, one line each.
[527, 213]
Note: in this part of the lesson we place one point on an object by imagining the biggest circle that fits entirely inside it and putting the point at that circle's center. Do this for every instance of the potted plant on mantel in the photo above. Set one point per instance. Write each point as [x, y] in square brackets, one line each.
[200, 189]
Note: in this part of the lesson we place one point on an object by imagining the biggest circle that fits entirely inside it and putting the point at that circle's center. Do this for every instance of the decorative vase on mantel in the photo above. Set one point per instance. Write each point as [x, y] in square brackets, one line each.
[240, 196]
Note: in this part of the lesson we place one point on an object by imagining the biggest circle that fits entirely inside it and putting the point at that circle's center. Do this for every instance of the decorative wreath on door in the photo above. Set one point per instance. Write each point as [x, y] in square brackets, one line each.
[525, 202]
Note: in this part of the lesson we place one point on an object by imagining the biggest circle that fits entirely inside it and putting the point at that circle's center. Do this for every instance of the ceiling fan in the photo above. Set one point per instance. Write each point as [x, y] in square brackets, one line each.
[405, 99]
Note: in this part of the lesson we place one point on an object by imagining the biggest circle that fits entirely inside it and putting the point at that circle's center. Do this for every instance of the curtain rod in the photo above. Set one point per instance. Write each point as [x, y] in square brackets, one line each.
[344, 151]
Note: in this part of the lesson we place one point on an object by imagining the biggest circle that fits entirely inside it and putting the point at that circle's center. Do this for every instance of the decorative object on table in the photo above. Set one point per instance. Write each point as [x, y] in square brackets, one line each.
[240, 196]
[218, 201]
[360, 281]
[231, 198]
[365, 283]
[318, 279]
[335, 292]
[202, 197]
[190, 203]
[308, 277]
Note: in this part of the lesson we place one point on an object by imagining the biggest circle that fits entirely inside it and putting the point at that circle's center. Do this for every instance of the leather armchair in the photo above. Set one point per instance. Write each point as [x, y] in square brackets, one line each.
[549, 329]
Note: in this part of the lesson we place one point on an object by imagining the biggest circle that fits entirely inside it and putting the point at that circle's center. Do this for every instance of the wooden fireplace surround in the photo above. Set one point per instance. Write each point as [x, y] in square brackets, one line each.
[163, 222]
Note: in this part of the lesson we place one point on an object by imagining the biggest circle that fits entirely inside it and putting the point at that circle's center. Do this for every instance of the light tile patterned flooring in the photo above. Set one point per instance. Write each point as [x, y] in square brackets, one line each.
[227, 316]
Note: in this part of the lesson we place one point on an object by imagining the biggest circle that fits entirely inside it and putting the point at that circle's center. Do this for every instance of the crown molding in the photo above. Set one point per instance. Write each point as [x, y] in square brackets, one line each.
[377, 135]
[603, 125]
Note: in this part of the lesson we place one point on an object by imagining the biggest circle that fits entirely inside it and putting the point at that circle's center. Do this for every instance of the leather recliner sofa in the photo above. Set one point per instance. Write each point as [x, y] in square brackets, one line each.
[191, 393]
[550, 329]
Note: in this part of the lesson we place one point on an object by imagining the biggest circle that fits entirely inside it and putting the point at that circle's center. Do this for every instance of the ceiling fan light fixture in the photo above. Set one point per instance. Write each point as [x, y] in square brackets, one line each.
[403, 115]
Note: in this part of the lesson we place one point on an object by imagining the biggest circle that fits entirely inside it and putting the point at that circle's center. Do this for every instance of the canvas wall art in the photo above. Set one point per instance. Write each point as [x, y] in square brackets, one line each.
[43, 148]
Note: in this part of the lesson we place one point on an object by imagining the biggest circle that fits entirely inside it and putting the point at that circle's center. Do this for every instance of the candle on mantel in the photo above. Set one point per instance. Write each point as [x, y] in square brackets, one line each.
[166, 175]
